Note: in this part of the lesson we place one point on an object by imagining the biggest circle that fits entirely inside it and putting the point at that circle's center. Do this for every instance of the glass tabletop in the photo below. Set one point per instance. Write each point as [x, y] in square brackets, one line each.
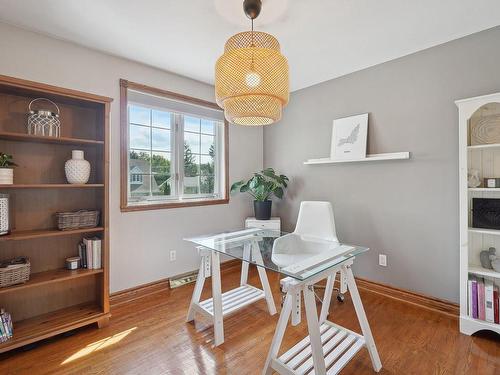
[291, 254]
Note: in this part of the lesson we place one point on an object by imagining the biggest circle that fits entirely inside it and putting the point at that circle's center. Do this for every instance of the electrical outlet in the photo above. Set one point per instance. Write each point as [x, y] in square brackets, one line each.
[382, 260]
[173, 255]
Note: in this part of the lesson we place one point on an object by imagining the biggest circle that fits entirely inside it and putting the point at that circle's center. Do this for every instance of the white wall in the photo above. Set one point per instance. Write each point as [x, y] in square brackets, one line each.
[140, 241]
[405, 209]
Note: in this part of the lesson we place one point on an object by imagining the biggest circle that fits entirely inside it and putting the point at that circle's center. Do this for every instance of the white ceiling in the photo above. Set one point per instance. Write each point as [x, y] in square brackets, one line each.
[322, 39]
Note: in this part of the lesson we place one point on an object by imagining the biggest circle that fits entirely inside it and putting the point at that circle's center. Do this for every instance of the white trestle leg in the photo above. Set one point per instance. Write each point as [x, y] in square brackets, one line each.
[244, 265]
[328, 347]
[263, 279]
[200, 281]
[231, 301]
[217, 299]
[363, 321]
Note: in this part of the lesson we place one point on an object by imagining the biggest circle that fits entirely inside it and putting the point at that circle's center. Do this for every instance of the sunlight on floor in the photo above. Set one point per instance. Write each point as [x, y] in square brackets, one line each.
[98, 345]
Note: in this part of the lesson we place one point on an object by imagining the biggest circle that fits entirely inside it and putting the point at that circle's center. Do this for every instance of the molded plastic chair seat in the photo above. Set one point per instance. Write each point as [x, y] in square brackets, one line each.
[314, 234]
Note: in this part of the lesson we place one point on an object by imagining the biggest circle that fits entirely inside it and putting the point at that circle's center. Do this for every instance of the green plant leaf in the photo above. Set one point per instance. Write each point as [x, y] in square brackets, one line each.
[236, 186]
[279, 193]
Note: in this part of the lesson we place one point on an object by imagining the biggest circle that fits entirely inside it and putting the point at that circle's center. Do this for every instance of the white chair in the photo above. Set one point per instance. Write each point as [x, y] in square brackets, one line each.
[315, 230]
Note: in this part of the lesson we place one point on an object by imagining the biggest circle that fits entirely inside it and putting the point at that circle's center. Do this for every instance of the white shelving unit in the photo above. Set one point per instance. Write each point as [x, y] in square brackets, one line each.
[486, 159]
[369, 157]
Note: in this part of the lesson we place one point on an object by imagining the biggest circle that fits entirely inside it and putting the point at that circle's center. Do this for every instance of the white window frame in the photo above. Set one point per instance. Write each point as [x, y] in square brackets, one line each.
[177, 198]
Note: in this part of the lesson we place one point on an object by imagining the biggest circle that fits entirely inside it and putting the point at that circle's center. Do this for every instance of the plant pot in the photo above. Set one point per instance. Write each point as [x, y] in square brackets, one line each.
[6, 176]
[262, 209]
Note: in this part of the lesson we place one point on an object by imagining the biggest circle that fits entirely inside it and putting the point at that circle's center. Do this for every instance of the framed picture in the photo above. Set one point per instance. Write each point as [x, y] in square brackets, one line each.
[349, 135]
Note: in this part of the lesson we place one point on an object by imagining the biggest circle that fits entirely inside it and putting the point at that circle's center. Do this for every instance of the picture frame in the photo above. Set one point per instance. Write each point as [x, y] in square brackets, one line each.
[349, 137]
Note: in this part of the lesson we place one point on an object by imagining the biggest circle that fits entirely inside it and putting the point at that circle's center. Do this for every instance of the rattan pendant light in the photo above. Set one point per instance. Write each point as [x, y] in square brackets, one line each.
[251, 77]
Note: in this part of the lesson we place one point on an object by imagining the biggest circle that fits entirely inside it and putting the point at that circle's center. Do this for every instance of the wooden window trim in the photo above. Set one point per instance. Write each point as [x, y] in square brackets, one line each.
[124, 206]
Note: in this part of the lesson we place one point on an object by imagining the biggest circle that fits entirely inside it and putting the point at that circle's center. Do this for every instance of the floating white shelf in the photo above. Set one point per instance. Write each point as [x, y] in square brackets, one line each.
[477, 270]
[494, 232]
[369, 157]
[480, 147]
[484, 189]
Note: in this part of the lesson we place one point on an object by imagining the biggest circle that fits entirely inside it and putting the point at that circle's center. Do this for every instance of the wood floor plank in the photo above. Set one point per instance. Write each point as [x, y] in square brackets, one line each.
[149, 336]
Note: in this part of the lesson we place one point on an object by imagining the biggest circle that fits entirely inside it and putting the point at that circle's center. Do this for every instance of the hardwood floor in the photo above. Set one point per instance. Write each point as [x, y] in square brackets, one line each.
[149, 336]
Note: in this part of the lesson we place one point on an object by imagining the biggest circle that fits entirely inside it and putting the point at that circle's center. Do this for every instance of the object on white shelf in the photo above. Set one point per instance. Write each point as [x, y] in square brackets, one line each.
[273, 224]
[4, 214]
[473, 179]
[6, 176]
[77, 168]
[349, 137]
[370, 157]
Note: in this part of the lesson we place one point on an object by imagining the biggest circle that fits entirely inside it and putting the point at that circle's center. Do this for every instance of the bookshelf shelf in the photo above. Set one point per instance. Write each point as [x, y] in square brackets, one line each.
[54, 300]
[11, 136]
[31, 234]
[46, 325]
[51, 186]
[48, 277]
[476, 270]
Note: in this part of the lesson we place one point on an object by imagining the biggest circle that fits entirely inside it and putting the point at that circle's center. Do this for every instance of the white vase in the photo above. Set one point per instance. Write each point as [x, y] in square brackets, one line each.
[6, 176]
[77, 168]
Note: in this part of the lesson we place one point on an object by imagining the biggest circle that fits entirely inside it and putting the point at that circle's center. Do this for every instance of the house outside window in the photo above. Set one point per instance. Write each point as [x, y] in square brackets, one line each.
[174, 150]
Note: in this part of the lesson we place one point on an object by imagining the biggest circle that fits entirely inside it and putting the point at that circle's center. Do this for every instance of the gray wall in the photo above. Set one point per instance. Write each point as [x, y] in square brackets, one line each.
[405, 209]
[140, 241]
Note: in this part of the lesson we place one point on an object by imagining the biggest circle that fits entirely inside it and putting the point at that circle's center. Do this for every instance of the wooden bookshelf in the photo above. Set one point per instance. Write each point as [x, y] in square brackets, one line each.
[54, 300]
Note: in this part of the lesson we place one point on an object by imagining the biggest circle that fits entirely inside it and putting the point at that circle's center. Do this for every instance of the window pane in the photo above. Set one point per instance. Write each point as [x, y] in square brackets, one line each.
[192, 185]
[140, 137]
[161, 139]
[192, 142]
[206, 165]
[160, 163]
[139, 173]
[191, 164]
[207, 126]
[139, 115]
[191, 124]
[161, 184]
[161, 119]
[207, 144]
[207, 184]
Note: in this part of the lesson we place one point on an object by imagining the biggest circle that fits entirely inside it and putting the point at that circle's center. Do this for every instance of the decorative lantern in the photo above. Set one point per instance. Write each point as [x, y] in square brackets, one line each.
[251, 77]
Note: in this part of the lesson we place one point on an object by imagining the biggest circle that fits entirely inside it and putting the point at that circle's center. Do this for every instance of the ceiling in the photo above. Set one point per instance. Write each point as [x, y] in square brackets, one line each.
[322, 39]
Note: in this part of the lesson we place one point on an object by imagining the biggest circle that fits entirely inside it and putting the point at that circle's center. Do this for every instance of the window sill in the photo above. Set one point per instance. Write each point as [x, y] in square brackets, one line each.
[177, 204]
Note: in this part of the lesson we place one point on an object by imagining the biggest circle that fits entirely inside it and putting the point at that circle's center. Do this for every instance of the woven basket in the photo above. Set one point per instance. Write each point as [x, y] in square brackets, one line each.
[15, 274]
[77, 220]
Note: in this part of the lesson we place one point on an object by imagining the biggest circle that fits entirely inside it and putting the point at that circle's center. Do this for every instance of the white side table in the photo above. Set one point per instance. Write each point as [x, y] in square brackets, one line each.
[273, 224]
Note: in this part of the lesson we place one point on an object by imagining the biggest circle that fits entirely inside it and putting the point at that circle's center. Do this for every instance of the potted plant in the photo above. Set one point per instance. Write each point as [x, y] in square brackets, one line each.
[262, 186]
[6, 171]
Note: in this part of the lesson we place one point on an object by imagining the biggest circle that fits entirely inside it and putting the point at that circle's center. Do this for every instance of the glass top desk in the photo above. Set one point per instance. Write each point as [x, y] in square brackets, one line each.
[304, 261]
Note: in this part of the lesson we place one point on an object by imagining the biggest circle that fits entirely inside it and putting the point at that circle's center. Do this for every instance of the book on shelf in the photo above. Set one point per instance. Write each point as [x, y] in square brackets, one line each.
[6, 329]
[483, 299]
[90, 252]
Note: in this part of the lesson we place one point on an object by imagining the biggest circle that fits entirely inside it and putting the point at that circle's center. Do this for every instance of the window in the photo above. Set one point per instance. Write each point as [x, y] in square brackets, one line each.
[173, 150]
